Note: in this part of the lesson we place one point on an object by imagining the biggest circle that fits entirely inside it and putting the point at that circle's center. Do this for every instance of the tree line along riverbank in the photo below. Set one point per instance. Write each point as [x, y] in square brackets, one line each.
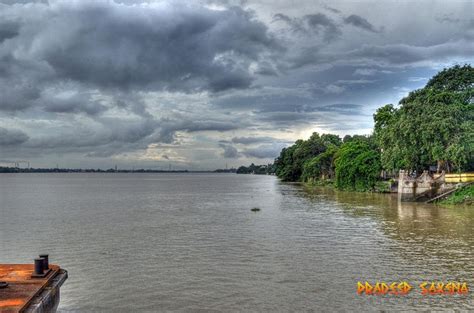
[431, 128]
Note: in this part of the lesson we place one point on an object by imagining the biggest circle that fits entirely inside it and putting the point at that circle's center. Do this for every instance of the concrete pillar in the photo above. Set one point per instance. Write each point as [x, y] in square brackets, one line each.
[401, 178]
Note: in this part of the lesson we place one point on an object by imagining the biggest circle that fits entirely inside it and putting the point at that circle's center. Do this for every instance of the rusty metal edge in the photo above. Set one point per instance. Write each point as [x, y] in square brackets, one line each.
[53, 273]
[41, 302]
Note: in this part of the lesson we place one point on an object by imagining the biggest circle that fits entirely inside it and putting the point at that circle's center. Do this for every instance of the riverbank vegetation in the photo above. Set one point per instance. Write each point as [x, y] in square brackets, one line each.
[432, 126]
[256, 169]
[464, 195]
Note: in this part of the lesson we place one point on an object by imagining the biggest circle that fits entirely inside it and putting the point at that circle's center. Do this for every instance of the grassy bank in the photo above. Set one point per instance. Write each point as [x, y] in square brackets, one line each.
[464, 195]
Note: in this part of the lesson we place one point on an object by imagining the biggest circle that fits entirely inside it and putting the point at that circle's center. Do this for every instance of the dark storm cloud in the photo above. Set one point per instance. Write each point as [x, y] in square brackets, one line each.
[17, 95]
[132, 131]
[402, 54]
[114, 136]
[22, 1]
[360, 22]
[229, 151]
[343, 108]
[220, 126]
[111, 130]
[396, 55]
[318, 21]
[265, 151]
[285, 18]
[333, 10]
[100, 79]
[167, 128]
[72, 104]
[169, 47]
[300, 108]
[287, 118]
[312, 24]
[266, 103]
[328, 117]
[69, 58]
[8, 30]
[267, 69]
[447, 19]
[251, 140]
[12, 137]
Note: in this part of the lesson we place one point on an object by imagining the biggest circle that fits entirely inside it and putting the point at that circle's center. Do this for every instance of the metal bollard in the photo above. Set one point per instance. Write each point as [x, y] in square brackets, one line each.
[39, 266]
[45, 261]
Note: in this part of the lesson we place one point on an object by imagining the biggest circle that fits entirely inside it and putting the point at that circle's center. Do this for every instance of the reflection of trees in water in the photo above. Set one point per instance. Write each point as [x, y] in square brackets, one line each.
[436, 234]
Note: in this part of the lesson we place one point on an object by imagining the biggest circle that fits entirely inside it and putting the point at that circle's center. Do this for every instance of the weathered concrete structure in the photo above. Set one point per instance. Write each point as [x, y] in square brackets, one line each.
[423, 187]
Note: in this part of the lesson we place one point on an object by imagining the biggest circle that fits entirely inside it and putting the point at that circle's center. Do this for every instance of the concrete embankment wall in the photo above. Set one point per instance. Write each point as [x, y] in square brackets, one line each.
[424, 187]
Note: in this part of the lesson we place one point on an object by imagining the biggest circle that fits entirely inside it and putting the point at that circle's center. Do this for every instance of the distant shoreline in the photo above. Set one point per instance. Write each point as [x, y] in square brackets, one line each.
[13, 170]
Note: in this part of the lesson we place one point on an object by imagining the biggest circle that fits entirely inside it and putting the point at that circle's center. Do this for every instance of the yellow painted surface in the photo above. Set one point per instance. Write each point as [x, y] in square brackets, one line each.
[459, 178]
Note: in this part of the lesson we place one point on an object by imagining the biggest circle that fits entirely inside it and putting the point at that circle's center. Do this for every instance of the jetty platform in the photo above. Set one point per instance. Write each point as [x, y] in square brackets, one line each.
[23, 288]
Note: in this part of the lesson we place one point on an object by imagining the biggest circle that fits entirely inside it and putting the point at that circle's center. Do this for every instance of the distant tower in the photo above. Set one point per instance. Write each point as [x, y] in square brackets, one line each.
[116, 167]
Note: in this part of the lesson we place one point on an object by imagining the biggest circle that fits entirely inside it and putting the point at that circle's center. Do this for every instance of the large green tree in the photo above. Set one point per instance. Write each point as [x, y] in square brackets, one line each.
[433, 125]
[358, 165]
[320, 167]
[289, 165]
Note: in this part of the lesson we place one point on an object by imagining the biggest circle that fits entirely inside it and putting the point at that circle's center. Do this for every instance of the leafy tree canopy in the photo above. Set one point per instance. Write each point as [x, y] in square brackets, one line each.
[256, 169]
[433, 125]
[289, 165]
[358, 166]
[321, 166]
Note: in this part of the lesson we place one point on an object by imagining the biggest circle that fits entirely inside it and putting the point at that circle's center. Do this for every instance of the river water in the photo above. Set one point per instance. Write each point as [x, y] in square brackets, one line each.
[189, 242]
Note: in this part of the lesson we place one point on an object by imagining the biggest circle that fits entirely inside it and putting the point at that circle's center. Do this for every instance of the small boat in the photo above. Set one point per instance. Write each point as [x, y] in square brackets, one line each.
[255, 210]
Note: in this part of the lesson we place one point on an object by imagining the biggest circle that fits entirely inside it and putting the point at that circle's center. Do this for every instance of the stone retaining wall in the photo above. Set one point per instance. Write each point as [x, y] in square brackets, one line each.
[423, 187]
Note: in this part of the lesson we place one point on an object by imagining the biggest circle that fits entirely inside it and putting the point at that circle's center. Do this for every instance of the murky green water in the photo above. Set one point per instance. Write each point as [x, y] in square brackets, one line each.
[189, 242]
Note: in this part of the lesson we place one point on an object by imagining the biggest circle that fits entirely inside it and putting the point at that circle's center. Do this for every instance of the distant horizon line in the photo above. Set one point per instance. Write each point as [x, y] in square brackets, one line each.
[9, 169]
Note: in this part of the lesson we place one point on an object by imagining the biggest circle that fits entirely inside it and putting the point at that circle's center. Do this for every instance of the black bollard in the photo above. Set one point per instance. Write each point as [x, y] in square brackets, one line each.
[39, 267]
[45, 261]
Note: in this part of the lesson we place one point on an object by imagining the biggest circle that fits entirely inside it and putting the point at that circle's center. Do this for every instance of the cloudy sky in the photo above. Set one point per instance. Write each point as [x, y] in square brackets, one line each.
[202, 84]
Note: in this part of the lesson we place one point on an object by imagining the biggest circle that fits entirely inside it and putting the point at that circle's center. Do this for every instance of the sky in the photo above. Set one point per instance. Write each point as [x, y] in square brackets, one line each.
[201, 85]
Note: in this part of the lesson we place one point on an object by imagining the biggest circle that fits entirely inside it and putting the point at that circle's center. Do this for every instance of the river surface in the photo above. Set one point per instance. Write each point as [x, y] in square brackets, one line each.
[189, 242]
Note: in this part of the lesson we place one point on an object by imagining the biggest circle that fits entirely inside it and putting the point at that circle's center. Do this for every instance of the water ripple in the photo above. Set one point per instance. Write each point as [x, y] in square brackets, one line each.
[189, 243]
